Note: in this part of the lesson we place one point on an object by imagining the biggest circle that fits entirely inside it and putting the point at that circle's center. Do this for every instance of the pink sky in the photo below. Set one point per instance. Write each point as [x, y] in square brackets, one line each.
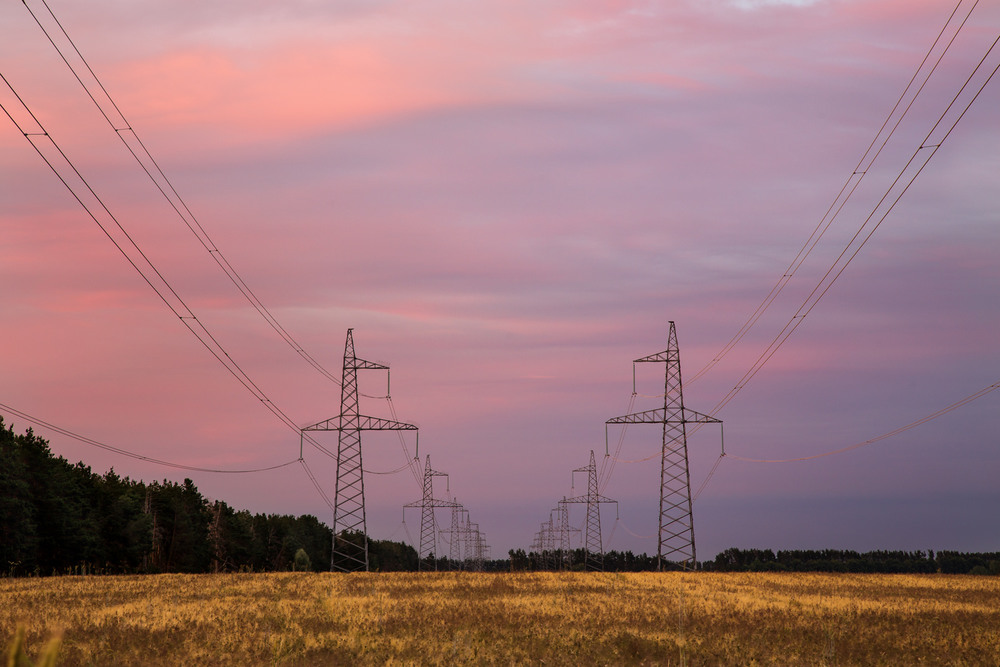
[508, 201]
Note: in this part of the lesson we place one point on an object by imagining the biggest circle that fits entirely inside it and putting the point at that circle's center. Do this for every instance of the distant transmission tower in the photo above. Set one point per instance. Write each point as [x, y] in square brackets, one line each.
[350, 530]
[676, 518]
[560, 522]
[475, 544]
[455, 533]
[544, 542]
[593, 549]
[428, 527]
[552, 541]
[468, 545]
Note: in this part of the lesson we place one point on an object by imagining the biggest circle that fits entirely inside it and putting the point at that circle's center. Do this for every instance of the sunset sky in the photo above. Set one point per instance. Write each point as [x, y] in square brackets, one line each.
[508, 202]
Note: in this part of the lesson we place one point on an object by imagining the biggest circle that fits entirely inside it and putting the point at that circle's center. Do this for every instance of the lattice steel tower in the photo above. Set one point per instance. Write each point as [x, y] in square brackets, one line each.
[676, 517]
[455, 533]
[593, 548]
[564, 531]
[475, 546]
[428, 527]
[350, 534]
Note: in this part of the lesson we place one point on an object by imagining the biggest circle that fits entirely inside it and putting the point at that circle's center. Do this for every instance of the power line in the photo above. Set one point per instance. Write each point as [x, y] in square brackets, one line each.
[168, 464]
[847, 190]
[129, 454]
[80, 189]
[156, 281]
[851, 184]
[928, 146]
[144, 266]
[137, 148]
[129, 249]
[608, 462]
[921, 156]
[151, 167]
[896, 431]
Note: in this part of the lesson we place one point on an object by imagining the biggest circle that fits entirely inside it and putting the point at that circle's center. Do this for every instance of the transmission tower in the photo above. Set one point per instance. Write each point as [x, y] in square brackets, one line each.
[482, 549]
[676, 518]
[552, 541]
[544, 542]
[461, 549]
[468, 543]
[564, 532]
[474, 544]
[593, 549]
[350, 534]
[428, 528]
[455, 533]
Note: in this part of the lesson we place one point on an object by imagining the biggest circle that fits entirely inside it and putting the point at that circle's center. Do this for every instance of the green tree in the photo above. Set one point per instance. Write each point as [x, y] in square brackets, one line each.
[301, 562]
[18, 528]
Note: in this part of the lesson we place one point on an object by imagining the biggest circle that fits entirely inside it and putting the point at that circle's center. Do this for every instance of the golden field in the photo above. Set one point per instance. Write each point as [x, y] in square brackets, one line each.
[519, 618]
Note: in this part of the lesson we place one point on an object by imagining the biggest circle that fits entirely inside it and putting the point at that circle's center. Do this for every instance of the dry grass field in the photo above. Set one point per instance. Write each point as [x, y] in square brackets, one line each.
[524, 618]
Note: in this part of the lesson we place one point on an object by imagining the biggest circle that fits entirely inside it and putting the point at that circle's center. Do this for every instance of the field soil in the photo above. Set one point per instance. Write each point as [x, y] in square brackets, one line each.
[501, 619]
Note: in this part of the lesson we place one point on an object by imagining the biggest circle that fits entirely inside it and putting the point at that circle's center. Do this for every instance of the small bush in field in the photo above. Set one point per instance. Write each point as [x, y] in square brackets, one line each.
[301, 562]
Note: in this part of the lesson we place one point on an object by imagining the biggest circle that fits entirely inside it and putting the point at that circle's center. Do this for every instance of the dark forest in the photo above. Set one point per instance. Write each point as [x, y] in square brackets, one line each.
[62, 518]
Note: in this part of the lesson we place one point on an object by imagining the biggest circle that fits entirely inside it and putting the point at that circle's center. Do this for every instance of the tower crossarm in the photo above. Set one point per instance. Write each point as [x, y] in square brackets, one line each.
[665, 416]
[433, 502]
[589, 499]
[362, 365]
[665, 356]
[363, 423]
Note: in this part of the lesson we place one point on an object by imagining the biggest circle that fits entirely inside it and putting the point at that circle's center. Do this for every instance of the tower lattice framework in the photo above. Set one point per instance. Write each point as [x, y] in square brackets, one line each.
[593, 547]
[475, 546]
[350, 534]
[564, 531]
[455, 532]
[428, 525]
[676, 532]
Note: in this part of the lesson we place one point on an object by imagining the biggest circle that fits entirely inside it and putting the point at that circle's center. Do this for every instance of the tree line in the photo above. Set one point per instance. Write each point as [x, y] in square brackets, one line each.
[577, 559]
[62, 518]
[767, 560]
[837, 560]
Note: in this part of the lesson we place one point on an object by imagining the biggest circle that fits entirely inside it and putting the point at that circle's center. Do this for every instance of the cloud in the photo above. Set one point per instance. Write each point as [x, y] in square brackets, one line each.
[507, 202]
[762, 4]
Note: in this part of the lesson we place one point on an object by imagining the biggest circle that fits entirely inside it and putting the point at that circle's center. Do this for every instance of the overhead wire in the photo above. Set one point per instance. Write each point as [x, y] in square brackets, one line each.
[164, 185]
[213, 250]
[39, 138]
[151, 167]
[834, 272]
[136, 257]
[614, 527]
[127, 134]
[416, 469]
[406, 530]
[608, 462]
[708, 477]
[849, 187]
[633, 534]
[130, 454]
[317, 485]
[826, 282]
[927, 147]
[387, 472]
[896, 431]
